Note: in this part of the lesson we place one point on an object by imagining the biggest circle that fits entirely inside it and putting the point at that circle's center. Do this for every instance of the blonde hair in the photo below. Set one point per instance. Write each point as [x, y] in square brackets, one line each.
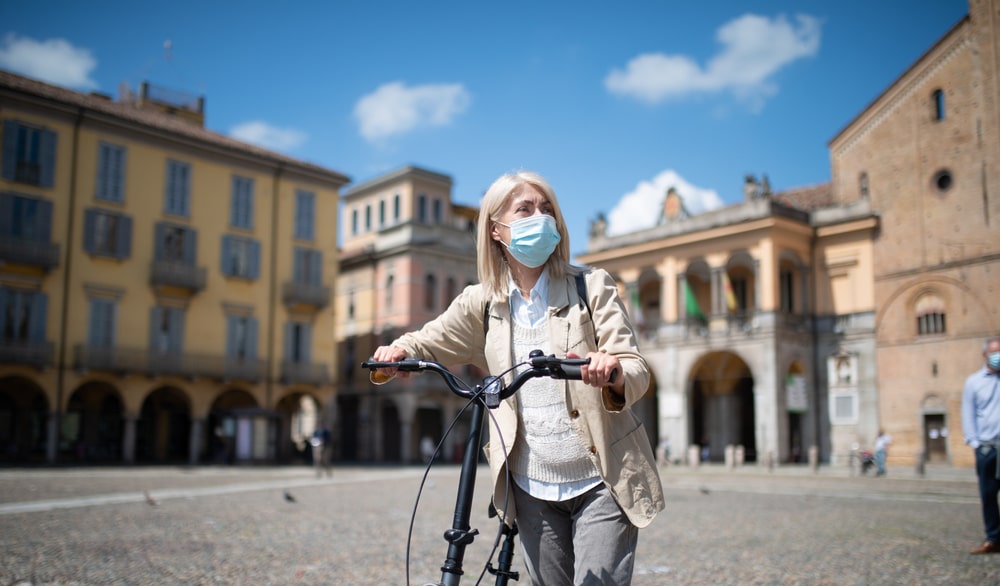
[494, 273]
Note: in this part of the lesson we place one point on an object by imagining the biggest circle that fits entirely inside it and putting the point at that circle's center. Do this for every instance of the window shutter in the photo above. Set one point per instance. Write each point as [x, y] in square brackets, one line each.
[89, 223]
[297, 262]
[171, 187]
[155, 317]
[252, 337]
[227, 244]
[10, 149]
[316, 268]
[6, 214]
[44, 221]
[99, 335]
[123, 247]
[48, 159]
[39, 313]
[176, 330]
[305, 343]
[159, 237]
[231, 336]
[118, 175]
[254, 259]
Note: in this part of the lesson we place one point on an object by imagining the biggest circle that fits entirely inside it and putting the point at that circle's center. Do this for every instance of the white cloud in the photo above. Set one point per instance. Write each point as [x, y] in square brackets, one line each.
[753, 49]
[394, 108]
[640, 208]
[54, 61]
[267, 136]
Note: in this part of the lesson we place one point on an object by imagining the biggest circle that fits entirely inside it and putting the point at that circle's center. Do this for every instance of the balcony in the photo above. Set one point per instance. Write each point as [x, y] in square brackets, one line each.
[308, 373]
[293, 293]
[22, 352]
[177, 274]
[154, 363]
[29, 252]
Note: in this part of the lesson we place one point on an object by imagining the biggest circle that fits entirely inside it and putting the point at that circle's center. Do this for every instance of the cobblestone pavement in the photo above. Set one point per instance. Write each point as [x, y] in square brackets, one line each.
[234, 526]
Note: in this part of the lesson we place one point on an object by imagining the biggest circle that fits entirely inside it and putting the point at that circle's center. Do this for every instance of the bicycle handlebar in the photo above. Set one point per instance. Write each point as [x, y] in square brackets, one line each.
[493, 387]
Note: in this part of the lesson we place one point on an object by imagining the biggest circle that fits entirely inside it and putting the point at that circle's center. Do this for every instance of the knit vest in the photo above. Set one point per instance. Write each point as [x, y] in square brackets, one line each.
[547, 447]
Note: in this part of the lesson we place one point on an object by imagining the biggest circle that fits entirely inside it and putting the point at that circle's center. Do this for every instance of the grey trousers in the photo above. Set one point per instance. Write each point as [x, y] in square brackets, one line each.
[584, 541]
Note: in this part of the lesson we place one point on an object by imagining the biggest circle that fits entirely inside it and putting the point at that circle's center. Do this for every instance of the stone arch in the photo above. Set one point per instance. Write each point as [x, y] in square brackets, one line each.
[721, 390]
[93, 427]
[24, 416]
[163, 430]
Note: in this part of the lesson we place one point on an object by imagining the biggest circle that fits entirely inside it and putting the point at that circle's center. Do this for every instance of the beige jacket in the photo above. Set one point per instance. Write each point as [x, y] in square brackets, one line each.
[614, 436]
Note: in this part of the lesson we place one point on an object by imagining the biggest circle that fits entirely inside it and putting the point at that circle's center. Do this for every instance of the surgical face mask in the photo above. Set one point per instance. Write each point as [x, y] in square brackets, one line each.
[533, 239]
[993, 359]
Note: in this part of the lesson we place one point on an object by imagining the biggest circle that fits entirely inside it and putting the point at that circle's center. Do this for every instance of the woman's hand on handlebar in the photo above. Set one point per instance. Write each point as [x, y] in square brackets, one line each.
[387, 354]
[599, 372]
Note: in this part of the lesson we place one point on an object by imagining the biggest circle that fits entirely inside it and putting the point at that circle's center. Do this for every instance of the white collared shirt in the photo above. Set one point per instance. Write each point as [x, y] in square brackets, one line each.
[526, 313]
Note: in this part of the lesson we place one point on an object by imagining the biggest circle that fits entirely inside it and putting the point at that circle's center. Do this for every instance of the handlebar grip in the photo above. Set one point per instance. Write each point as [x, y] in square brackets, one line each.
[568, 371]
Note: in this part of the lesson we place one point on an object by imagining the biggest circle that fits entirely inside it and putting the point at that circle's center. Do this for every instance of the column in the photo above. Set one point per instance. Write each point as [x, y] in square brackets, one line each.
[804, 294]
[681, 298]
[128, 440]
[52, 437]
[196, 438]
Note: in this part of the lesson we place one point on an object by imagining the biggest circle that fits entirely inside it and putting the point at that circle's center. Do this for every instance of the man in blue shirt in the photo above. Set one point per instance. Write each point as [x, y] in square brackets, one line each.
[981, 428]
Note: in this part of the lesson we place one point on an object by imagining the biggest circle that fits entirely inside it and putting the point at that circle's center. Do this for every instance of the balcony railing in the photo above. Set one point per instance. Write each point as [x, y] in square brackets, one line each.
[177, 274]
[29, 252]
[26, 353]
[293, 293]
[308, 373]
[153, 363]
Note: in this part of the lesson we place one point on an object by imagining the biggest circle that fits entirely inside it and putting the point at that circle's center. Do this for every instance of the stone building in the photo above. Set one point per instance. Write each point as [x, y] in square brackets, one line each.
[817, 316]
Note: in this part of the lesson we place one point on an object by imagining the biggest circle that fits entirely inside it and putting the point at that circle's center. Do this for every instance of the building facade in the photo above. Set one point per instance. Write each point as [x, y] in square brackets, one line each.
[926, 155]
[815, 317]
[407, 252]
[165, 291]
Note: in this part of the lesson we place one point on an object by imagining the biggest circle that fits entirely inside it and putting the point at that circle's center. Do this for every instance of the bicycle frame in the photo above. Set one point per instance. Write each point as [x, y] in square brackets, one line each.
[485, 396]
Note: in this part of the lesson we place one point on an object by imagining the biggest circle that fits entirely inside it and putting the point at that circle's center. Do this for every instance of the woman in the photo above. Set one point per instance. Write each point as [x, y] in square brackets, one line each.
[583, 468]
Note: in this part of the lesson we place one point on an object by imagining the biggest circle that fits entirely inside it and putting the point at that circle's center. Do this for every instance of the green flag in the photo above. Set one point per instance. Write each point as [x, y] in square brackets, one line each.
[691, 306]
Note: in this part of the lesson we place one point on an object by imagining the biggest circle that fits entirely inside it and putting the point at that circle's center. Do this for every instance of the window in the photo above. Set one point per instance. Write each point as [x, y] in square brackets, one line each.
[307, 267]
[111, 173]
[305, 212]
[437, 211]
[25, 218]
[930, 312]
[107, 233]
[103, 316]
[368, 218]
[381, 213]
[241, 203]
[395, 208]
[739, 285]
[787, 283]
[843, 407]
[863, 184]
[178, 189]
[430, 293]
[351, 307]
[241, 337]
[298, 342]
[354, 222]
[166, 330]
[943, 180]
[23, 315]
[29, 154]
[240, 257]
[450, 289]
[175, 244]
[422, 209]
[937, 101]
[389, 284]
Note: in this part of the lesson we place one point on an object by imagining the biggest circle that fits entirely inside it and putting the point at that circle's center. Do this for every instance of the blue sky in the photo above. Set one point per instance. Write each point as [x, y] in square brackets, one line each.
[612, 102]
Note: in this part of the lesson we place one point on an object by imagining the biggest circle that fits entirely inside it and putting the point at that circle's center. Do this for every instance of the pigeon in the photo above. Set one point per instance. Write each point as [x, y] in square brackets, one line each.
[704, 490]
[289, 497]
[149, 499]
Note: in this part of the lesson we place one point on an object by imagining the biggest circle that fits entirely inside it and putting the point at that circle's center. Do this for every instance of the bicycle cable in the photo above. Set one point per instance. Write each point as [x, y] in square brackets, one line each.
[437, 449]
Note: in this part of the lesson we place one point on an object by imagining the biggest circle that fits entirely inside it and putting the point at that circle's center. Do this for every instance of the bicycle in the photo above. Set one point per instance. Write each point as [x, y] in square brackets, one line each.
[487, 395]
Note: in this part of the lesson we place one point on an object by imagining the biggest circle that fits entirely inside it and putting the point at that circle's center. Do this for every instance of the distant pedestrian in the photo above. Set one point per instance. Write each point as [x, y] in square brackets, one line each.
[427, 449]
[981, 428]
[320, 442]
[881, 451]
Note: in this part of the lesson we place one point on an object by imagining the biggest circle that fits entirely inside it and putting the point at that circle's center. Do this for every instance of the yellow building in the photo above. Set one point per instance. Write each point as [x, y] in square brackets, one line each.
[165, 291]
